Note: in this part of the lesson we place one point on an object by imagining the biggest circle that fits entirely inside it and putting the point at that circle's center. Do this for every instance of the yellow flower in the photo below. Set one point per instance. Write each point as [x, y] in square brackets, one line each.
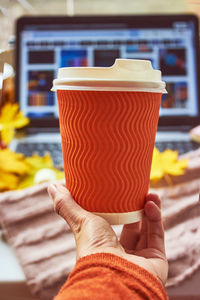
[11, 118]
[166, 163]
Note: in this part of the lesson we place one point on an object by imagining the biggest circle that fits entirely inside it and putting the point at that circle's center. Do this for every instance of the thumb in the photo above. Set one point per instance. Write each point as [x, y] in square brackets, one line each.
[67, 208]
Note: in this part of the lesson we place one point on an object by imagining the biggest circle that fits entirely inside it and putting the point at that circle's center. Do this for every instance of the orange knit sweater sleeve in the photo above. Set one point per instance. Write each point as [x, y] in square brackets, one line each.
[105, 276]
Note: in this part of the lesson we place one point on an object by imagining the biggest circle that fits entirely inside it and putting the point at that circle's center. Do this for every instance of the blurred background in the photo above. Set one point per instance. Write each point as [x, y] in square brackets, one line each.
[10, 10]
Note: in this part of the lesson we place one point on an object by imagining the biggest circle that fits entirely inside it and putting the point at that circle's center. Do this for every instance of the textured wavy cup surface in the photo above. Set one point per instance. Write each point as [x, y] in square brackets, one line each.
[107, 141]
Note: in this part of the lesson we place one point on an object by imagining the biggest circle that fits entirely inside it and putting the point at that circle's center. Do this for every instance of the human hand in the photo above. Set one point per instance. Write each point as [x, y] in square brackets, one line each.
[141, 243]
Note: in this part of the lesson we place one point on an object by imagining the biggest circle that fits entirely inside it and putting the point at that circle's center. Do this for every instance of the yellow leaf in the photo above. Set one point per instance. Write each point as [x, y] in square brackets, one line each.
[8, 111]
[8, 181]
[177, 168]
[26, 181]
[37, 162]
[7, 134]
[11, 118]
[20, 120]
[166, 163]
[13, 162]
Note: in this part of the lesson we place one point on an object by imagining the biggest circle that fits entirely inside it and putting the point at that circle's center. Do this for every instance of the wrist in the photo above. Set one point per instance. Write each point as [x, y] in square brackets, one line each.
[120, 252]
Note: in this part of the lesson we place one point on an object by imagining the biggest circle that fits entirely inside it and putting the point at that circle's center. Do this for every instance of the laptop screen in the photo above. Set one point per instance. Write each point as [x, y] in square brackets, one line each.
[46, 44]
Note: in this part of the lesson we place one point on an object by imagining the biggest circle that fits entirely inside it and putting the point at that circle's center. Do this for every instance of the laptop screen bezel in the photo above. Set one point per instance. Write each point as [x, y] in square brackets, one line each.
[132, 21]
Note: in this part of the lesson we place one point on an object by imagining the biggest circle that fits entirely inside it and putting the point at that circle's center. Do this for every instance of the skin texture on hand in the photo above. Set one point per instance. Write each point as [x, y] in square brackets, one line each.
[141, 243]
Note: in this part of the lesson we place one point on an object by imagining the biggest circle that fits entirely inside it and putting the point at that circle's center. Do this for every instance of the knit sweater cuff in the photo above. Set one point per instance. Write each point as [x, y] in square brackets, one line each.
[133, 276]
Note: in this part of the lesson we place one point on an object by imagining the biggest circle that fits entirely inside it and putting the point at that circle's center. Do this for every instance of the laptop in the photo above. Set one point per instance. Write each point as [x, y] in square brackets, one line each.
[44, 44]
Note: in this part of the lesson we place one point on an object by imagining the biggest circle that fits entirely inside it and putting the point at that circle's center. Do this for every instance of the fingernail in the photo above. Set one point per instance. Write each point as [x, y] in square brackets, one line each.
[52, 190]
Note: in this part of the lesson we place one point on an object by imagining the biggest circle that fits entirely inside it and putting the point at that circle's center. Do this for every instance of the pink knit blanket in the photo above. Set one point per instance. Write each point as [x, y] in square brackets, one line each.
[45, 246]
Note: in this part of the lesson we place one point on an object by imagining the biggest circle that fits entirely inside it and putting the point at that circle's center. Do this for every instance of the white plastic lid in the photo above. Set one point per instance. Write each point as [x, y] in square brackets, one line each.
[124, 74]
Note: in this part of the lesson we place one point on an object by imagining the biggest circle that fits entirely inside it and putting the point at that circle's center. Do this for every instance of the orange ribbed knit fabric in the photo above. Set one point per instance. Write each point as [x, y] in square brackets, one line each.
[107, 276]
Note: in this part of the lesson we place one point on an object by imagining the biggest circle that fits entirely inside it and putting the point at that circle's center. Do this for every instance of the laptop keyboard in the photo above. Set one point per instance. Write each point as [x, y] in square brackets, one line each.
[180, 146]
[56, 151]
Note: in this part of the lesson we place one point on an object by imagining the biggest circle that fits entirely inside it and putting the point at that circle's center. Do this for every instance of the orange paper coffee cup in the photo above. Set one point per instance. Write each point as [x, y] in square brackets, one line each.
[107, 142]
